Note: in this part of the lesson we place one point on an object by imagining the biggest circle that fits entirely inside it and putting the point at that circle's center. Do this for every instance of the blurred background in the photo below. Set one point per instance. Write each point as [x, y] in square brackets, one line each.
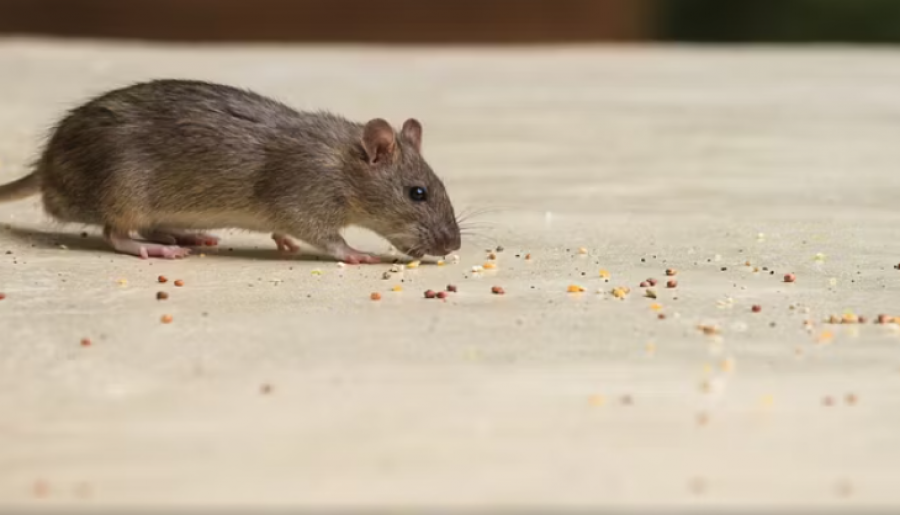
[458, 21]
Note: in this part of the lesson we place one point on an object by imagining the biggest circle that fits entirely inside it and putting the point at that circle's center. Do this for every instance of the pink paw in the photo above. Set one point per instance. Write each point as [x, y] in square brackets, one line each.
[163, 251]
[285, 244]
[360, 259]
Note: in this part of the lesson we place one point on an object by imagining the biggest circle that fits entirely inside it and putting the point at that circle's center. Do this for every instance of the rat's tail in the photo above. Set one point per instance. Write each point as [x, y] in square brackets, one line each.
[24, 187]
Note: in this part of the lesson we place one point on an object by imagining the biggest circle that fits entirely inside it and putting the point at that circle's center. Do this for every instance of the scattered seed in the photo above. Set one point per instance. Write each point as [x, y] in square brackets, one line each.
[709, 330]
[645, 284]
[265, 389]
[397, 288]
[627, 400]
[489, 266]
[442, 295]
[850, 399]
[85, 342]
[789, 278]
[451, 288]
[621, 292]
[161, 295]
[597, 400]
[652, 281]
[386, 276]
[166, 319]
[500, 248]
[179, 283]
[440, 262]
[650, 294]
[497, 290]
[413, 264]
[756, 308]
[429, 294]
[375, 296]
[604, 274]
[671, 272]
[2, 296]
[661, 316]
[574, 288]
[528, 257]
[828, 401]
[162, 279]
[672, 284]
[582, 251]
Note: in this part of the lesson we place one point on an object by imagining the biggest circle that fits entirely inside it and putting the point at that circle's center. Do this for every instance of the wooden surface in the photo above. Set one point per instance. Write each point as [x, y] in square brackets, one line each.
[384, 21]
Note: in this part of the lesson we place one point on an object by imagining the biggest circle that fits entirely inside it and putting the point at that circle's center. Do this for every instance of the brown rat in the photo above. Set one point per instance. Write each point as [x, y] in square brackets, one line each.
[170, 158]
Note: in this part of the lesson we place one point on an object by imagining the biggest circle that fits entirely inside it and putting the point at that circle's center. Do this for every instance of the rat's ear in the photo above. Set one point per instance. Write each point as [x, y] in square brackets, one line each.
[378, 140]
[412, 130]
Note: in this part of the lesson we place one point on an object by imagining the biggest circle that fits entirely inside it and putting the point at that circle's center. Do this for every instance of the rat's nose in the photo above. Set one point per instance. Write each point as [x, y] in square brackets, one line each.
[449, 241]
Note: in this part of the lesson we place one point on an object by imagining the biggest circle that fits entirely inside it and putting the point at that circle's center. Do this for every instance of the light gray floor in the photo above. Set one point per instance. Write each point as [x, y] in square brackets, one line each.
[649, 158]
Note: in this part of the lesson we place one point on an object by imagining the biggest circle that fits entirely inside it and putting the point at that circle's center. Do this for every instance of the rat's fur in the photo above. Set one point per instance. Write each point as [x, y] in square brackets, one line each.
[167, 156]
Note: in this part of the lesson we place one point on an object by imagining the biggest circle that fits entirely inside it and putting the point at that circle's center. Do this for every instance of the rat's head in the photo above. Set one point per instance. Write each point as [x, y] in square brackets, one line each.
[404, 200]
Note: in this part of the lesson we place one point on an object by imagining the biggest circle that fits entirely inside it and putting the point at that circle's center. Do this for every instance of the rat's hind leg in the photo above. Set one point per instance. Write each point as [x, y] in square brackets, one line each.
[285, 243]
[177, 237]
[122, 242]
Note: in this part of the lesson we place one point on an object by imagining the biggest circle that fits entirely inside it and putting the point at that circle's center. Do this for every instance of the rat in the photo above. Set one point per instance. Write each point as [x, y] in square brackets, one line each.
[169, 159]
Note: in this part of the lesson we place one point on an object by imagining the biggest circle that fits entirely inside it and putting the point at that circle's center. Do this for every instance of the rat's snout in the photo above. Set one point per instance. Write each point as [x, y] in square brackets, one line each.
[447, 240]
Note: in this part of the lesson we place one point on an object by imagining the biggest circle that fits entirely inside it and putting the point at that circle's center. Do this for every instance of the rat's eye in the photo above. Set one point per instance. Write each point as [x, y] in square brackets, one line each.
[418, 194]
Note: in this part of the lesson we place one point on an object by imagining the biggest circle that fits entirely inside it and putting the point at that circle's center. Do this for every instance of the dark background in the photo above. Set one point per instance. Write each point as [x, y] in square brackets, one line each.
[458, 21]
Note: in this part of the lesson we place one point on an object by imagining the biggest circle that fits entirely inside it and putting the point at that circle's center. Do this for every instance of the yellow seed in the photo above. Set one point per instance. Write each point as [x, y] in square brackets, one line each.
[413, 264]
[489, 266]
[597, 400]
[440, 263]
[655, 306]
[604, 274]
[123, 282]
[316, 272]
[582, 250]
[397, 288]
[574, 288]
[727, 365]
[620, 292]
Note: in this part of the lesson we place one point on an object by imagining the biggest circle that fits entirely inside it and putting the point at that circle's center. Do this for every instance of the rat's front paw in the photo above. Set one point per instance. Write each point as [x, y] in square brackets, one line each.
[360, 259]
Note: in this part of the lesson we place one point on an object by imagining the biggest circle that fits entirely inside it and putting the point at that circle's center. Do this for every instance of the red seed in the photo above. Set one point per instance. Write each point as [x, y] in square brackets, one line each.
[757, 308]
[652, 281]
[645, 284]
[442, 295]
[162, 295]
[429, 294]
[375, 296]
[661, 316]
[672, 284]
[2, 296]
[166, 319]
[883, 319]
[85, 342]
[179, 283]
[496, 290]
[451, 288]
[789, 278]
[162, 279]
